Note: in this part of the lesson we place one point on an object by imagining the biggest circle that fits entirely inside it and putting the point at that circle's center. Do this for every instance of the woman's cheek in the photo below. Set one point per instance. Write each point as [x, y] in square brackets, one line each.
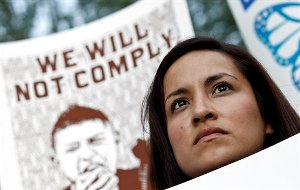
[178, 127]
[176, 133]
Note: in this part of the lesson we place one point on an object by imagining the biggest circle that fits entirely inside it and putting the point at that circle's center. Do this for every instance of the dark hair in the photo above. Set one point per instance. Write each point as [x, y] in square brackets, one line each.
[274, 107]
[73, 115]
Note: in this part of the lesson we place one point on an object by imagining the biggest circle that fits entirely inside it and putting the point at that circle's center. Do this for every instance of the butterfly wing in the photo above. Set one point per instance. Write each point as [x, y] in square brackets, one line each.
[278, 27]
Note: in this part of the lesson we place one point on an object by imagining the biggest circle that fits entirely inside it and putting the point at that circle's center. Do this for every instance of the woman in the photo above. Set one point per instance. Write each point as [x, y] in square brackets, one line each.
[211, 104]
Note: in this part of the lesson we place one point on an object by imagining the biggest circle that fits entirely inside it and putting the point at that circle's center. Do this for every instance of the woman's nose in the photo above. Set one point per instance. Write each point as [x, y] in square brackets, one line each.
[203, 111]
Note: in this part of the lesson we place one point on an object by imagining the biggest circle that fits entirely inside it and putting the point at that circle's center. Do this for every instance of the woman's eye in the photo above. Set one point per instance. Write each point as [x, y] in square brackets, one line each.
[221, 88]
[178, 104]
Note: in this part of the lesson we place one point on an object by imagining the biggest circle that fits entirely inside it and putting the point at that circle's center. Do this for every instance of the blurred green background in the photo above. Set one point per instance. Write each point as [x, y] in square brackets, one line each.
[23, 19]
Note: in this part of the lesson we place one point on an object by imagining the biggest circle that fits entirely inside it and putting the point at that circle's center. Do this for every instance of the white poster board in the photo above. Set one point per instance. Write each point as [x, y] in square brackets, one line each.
[107, 65]
[275, 168]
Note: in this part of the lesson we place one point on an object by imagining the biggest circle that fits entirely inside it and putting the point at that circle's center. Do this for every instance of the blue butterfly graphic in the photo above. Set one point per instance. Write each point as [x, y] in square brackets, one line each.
[278, 27]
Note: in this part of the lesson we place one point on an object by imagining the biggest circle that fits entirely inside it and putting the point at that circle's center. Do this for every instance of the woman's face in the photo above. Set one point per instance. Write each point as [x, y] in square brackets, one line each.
[212, 115]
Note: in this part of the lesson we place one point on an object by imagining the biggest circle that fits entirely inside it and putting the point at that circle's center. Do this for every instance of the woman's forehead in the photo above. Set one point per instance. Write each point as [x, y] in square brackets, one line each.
[200, 63]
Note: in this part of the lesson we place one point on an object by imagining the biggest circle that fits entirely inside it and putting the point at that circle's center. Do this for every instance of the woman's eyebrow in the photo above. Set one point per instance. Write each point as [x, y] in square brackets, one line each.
[207, 82]
[216, 77]
[176, 92]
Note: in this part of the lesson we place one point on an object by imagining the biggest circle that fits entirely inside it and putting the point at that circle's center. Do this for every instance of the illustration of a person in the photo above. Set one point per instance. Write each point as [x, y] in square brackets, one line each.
[87, 148]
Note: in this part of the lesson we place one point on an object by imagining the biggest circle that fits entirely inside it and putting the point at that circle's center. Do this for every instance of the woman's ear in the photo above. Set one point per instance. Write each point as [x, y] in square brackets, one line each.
[269, 129]
[270, 138]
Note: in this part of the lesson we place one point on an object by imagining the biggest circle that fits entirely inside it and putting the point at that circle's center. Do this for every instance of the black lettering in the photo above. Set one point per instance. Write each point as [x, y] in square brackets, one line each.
[139, 34]
[40, 89]
[96, 50]
[98, 74]
[135, 55]
[47, 63]
[57, 81]
[22, 92]
[79, 83]
[167, 38]
[113, 66]
[67, 58]
[123, 43]
[150, 51]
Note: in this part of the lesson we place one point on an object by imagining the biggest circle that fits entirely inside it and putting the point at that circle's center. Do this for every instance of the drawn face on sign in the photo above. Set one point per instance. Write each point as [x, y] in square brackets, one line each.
[86, 149]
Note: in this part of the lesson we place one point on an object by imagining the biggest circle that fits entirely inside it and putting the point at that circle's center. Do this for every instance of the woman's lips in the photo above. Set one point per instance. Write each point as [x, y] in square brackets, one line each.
[208, 133]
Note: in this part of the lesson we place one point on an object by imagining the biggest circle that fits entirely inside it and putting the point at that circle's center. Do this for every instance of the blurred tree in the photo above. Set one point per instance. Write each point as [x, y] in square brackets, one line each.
[22, 19]
[16, 20]
[214, 18]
